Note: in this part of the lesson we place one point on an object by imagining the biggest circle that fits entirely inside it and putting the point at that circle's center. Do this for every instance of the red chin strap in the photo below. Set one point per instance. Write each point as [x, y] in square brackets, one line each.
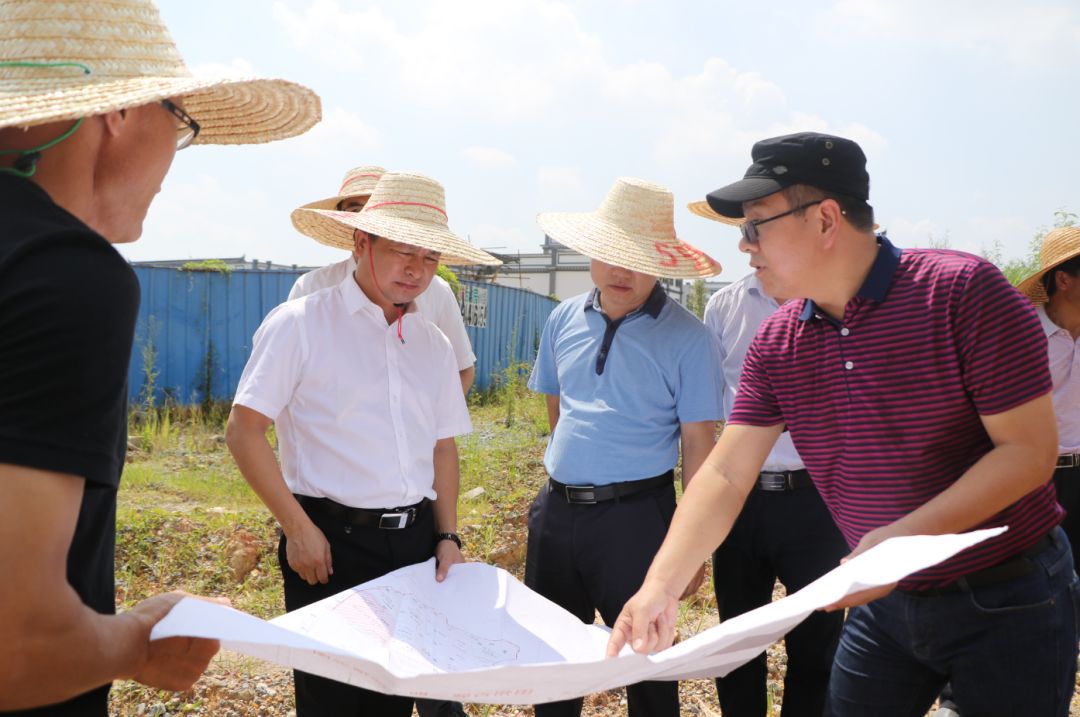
[400, 307]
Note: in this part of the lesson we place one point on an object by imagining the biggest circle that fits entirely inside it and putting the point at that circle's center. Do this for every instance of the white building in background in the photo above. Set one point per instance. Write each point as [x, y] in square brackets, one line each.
[558, 272]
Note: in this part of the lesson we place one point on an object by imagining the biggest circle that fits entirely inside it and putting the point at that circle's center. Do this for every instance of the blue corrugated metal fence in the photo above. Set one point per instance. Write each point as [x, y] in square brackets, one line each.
[199, 326]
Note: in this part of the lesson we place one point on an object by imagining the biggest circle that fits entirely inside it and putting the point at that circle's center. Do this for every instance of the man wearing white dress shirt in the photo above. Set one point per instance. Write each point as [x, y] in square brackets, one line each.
[437, 303]
[364, 396]
[784, 531]
[1055, 290]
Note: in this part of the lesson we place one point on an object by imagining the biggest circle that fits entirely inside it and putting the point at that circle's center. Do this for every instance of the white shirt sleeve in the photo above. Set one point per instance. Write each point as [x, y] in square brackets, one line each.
[321, 278]
[273, 371]
[440, 307]
[452, 413]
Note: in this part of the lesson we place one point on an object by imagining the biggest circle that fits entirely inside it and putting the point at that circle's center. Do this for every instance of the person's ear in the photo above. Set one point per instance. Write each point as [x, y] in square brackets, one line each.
[115, 122]
[360, 242]
[1062, 280]
[830, 216]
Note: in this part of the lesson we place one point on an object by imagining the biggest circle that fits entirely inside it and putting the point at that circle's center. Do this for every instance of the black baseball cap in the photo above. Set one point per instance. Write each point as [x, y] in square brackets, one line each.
[831, 163]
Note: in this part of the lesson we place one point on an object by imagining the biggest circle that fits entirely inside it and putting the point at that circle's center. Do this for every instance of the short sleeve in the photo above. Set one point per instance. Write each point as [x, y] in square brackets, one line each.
[299, 287]
[715, 315]
[448, 319]
[67, 317]
[1001, 342]
[700, 396]
[273, 371]
[452, 413]
[545, 377]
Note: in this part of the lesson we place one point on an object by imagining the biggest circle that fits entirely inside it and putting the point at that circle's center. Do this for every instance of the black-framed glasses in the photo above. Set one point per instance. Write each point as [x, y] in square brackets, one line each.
[187, 130]
[749, 228]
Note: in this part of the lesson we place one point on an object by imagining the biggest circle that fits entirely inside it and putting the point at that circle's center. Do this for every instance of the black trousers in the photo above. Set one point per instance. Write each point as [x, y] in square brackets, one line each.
[1067, 482]
[359, 554]
[791, 536]
[589, 558]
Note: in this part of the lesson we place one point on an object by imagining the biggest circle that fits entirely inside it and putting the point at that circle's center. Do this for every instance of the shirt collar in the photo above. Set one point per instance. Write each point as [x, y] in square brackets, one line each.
[876, 284]
[356, 300]
[652, 306]
[1049, 327]
[753, 286]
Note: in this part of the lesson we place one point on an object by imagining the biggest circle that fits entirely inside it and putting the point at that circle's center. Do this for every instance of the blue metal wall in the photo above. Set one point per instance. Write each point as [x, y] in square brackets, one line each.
[515, 318]
[184, 313]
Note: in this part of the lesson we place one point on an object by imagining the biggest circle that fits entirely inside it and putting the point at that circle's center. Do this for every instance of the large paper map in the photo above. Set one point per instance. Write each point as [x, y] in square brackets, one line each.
[482, 636]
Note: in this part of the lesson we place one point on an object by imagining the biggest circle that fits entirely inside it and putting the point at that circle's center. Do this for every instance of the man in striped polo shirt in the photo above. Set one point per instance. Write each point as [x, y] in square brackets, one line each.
[915, 387]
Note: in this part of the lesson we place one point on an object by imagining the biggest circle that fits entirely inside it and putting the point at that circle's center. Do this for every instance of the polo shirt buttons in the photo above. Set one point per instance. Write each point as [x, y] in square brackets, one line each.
[845, 331]
[849, 365]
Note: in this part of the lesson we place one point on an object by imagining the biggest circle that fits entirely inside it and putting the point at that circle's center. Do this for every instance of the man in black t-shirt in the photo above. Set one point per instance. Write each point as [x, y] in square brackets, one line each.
[88, 130]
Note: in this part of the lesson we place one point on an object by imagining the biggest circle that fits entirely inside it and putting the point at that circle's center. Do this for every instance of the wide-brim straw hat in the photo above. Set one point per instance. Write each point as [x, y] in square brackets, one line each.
[1059, 246]
[634, 228]
[702, 209]
[132, 61]
[407, 208]
[358, 182]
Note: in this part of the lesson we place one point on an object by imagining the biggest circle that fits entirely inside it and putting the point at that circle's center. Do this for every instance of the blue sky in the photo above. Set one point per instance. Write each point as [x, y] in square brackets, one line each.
[968, 111]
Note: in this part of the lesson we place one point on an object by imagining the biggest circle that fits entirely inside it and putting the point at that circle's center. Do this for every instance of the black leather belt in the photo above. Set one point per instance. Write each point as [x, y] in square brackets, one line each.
[385, 518]
[784, 480]
[590, 494]
[1017, 566]
[1068, 460]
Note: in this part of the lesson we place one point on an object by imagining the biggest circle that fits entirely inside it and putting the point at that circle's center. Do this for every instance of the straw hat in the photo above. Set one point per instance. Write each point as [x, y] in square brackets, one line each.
[1059, 246]
[702, 209]
[406, 208]
[358, 182]
[132, 61]
[634, 228]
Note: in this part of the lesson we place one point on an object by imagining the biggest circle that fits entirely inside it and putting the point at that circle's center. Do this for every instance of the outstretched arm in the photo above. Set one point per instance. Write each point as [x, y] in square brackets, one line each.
[1025, 449]
[703, 519]
[52, 646]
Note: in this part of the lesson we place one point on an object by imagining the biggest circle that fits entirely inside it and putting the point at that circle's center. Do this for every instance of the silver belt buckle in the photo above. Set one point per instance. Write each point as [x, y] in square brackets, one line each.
[771, 481]
[394, 521]
[1068, 460]
[581, 494]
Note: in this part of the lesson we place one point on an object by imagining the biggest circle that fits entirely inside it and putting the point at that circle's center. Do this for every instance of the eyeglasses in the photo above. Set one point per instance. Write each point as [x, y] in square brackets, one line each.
[188, 128]
[749, 228]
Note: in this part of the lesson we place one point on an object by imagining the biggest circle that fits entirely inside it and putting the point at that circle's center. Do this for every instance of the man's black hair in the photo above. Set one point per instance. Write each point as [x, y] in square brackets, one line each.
[1070, 267]
[858, 213]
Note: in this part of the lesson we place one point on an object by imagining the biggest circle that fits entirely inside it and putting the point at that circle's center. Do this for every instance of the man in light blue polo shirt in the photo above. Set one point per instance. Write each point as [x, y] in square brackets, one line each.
[629, 376]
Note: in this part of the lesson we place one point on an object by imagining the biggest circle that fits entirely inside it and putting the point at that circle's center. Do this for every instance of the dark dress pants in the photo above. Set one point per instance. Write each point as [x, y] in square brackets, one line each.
[791, 536]
[1067, 482]
[590, 558]
[359, 554]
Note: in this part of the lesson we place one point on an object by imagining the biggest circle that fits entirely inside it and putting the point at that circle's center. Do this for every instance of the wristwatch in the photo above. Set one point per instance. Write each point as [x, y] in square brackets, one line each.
[450, 536]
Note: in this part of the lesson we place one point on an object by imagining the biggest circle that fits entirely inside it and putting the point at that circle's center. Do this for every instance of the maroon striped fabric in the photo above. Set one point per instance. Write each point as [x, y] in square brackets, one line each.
[884, 405]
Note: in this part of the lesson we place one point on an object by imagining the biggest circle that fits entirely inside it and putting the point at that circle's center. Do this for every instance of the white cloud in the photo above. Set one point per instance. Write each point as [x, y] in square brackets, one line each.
[489, 157]
[562, 189]
[1035, 34]
[339, 37]
[202, 216]
[341, 135]
[238, 68]
[532, 61]
[500, 58]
